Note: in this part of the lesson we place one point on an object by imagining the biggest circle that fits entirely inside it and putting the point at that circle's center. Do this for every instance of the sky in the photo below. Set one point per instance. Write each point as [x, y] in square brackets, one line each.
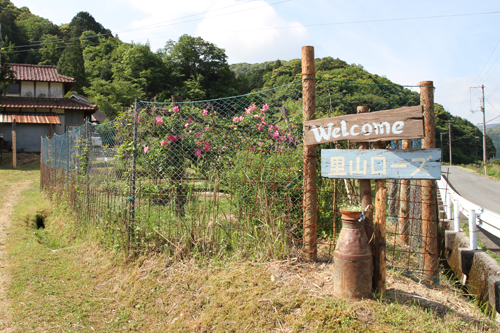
[454, 43]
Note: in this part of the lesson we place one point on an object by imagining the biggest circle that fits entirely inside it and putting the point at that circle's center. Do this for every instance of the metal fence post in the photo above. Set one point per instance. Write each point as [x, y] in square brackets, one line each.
[131, 222]
[472, 230]
[429, 197]
[310, 210]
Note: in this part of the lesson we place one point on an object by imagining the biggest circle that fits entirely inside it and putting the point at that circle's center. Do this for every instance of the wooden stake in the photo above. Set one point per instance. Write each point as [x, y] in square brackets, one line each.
[429, 197]
[14, 145]
[310, 212]
[404, 228]
[379, 278]
[365, 188]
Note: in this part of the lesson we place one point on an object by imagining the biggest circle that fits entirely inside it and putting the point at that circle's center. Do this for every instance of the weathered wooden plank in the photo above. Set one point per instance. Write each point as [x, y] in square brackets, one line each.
[381, 164]
[395, 124]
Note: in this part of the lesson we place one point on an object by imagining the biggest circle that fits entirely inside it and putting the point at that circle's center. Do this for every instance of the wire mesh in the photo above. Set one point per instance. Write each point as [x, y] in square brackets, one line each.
[219, 176]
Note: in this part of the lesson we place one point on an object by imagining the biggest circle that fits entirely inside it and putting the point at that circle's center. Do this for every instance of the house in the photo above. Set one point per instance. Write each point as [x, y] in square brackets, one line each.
[98, 117]
[35, 106]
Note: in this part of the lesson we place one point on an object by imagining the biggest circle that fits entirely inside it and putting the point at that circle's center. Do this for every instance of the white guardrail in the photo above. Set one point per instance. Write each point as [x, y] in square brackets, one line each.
[477, 215]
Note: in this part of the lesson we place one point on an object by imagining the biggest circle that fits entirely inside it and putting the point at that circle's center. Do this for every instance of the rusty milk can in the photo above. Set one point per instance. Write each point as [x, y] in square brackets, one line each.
[353, 263]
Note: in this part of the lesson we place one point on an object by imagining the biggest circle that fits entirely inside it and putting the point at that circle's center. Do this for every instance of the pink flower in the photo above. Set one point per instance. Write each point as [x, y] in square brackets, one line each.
[256, 116]
[175, 108]
[276, 127]
[250, 108]
[138, 118]
[293, 126]
[290, 140]
[264, 108]
[271, 127]
[207, 128]
[253, 148]
[186, 126]
[276, 135]
[146, 149]
[259, 127]
[183, 136]
[163, 143]
[189, 121]
[262, 119]
[206, 148]
[259, 144]
[205, 112]
[197, 152]
[159, 121]
[236, 119]
[242, 118]
[172, 138]
[198, 134]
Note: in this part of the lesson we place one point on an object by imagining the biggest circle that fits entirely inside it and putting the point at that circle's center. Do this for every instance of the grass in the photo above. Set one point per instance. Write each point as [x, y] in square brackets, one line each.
[63, 279]
[492, 170]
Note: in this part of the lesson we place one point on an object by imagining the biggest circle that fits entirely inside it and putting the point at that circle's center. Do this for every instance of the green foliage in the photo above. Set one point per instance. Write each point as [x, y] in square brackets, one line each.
[467, 139]
[71, 64]
[494, 134]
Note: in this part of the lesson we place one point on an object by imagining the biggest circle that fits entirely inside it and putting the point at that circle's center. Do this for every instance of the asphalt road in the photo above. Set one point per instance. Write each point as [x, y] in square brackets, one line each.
[480, 190]
[476, 188]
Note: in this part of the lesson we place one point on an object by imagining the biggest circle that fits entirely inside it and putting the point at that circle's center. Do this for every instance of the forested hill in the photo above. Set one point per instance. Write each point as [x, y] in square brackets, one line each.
[112, 73]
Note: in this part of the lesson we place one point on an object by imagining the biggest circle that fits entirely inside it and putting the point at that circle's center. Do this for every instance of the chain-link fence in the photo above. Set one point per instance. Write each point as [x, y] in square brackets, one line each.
[218, 176]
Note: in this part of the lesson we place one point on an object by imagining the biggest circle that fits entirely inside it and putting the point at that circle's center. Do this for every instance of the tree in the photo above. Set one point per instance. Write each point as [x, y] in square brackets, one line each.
[7, 76]
[72, 64]
[51, 50]
[193, 58]
[83, 21]
[112, 97]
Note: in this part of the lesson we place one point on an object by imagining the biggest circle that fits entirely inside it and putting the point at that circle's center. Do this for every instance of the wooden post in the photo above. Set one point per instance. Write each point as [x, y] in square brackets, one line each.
[379, 238]
[429, 198]
[404, 203]
[365, 188]
[14, 144]
[310, 212]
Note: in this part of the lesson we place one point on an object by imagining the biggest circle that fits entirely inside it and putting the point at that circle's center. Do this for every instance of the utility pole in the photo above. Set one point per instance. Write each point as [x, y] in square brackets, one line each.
[484, 127]
[484, 131]
[449, 135]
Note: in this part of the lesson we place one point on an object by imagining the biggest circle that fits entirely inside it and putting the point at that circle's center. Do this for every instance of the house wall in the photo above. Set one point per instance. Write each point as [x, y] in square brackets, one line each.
[74, 118]
[29, 136]
[56, 90]
[60, 129]
[42, 89]
[27, 89]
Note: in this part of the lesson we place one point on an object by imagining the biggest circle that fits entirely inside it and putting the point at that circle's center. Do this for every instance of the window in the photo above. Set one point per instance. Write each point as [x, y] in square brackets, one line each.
[14, 88]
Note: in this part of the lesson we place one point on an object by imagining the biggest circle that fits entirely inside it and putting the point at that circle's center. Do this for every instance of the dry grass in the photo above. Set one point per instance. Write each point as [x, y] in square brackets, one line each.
[63, 280]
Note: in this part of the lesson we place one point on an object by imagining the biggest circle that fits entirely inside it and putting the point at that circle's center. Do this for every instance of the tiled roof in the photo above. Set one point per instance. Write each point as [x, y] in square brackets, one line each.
[30, 118]
[40, 73]
[45, 103]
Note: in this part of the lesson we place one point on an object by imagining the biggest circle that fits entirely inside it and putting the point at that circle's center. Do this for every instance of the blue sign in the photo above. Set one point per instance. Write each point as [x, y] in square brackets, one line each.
[381, 163]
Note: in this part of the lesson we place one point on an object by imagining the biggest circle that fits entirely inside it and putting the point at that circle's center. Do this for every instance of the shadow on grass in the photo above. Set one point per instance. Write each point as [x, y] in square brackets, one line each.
[25, 161]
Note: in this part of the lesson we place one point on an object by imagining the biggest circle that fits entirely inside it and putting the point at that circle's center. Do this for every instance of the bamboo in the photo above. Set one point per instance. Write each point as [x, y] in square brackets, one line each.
[310, 214]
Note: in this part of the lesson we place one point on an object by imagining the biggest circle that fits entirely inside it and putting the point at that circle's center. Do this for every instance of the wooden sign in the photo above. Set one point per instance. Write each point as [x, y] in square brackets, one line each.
[396, 124]
[381, 163]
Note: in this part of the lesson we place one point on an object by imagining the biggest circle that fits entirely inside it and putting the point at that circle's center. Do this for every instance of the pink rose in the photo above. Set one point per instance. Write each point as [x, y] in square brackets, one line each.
[198, 134]
[159, 121]
[207, 148]
[163, 143]
[197, 152]
[175, 108]
[146, 149]
[172, 138]
[205, 112]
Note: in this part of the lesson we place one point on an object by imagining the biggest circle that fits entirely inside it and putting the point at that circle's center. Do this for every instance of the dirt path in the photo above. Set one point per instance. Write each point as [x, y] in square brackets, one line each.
[6, 209]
